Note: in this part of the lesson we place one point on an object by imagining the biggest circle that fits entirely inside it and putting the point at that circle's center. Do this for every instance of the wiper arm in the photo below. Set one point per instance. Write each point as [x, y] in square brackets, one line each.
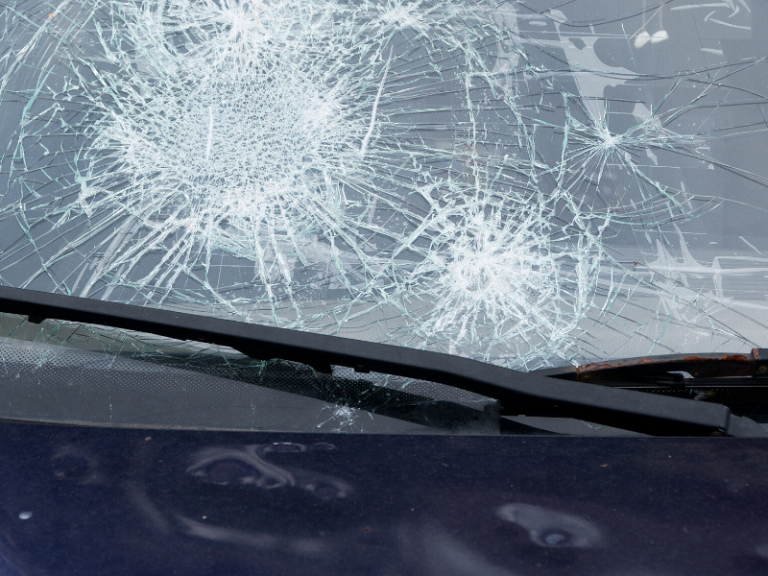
[672, 368]
[623, 409]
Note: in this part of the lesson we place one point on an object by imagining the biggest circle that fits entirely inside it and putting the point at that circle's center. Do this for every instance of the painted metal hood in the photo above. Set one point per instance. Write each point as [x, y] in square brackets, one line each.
[91, 500]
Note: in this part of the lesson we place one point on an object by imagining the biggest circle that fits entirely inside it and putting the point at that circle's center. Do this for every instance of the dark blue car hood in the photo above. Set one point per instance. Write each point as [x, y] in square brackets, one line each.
[88, 500]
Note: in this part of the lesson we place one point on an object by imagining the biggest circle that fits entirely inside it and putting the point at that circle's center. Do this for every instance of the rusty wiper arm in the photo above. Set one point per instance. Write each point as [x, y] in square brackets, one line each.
[654, 368]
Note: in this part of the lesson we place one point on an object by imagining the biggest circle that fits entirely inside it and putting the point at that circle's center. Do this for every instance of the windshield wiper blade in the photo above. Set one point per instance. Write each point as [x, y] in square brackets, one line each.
[629, 410]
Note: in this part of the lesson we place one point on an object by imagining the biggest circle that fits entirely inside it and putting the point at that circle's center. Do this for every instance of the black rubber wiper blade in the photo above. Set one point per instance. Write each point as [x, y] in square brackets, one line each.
[629, 410]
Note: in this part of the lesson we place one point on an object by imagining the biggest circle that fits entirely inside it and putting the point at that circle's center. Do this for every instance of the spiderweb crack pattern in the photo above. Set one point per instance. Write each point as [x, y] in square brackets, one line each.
[427, 173]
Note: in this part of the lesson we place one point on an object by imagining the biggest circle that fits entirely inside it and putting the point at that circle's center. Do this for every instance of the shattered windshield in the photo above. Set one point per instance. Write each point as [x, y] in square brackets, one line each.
[530, 183]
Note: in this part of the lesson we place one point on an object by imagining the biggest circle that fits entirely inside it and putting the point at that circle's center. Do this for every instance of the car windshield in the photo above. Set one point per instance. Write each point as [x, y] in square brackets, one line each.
[532, 183]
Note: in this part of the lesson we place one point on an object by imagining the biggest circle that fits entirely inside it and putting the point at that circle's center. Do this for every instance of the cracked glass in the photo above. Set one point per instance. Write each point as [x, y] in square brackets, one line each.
[528, 183]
